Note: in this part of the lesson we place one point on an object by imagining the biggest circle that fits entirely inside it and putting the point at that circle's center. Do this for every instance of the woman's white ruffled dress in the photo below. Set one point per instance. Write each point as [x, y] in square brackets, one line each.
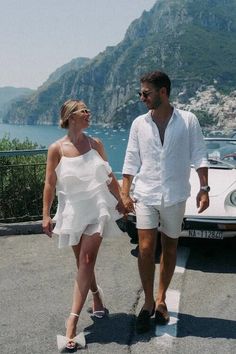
[85, 204]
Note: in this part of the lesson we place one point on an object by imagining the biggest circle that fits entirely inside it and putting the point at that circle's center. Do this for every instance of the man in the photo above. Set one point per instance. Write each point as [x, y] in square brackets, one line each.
[163, 144]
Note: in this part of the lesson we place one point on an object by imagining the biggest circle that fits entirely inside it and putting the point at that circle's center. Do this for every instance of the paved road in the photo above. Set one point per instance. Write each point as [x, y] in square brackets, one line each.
[36, 289]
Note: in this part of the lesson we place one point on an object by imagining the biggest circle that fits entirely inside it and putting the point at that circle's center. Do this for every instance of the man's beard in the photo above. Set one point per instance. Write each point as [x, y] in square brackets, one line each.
[157, 103]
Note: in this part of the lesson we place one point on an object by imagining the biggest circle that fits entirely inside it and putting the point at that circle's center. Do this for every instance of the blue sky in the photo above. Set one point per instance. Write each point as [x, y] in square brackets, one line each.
[38, 36]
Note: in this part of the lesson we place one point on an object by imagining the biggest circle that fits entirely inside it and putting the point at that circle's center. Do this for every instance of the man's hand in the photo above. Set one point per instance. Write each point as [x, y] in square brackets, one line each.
[202, 201]
[128, 203]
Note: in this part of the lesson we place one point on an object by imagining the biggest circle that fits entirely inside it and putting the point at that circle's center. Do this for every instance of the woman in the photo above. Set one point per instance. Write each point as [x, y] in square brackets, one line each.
[89, 202]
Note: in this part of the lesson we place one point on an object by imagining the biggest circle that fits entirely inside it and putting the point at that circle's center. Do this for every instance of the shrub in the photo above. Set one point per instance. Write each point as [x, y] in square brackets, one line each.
[21, 181]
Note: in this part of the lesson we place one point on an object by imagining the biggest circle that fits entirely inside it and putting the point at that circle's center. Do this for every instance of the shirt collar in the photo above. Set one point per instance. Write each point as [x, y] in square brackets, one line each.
[175, 114]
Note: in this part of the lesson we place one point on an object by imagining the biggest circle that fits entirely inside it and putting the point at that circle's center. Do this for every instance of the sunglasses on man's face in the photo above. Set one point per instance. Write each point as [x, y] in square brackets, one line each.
[145, 94]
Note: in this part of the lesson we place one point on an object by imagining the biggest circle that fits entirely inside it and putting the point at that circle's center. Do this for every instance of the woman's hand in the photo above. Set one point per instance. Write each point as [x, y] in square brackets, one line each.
[120, 207]
[47, 225]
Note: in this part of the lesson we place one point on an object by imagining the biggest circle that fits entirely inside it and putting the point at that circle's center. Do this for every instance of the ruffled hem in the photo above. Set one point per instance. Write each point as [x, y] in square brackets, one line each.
[96, 215]
[106, 228]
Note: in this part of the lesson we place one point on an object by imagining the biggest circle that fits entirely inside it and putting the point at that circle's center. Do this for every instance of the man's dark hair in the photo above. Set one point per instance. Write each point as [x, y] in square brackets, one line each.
[157, 79]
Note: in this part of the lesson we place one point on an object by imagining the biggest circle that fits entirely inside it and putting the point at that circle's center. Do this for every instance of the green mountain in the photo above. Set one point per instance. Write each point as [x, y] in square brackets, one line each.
[75, 65]
[194, 41]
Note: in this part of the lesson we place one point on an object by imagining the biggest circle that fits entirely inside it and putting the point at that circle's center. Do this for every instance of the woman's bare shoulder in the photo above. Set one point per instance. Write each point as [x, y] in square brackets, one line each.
[55, 147]
[96, 143]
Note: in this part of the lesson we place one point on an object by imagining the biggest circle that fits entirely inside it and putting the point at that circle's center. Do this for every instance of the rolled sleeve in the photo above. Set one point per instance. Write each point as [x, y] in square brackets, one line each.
[197, 148]
[132, 160]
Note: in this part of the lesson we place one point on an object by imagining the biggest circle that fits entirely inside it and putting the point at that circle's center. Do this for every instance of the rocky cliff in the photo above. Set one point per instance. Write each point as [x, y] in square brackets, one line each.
[194, 41]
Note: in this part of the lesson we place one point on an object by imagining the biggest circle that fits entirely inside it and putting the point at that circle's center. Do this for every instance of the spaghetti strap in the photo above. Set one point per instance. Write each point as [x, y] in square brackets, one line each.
[60, 145]
[89, 142]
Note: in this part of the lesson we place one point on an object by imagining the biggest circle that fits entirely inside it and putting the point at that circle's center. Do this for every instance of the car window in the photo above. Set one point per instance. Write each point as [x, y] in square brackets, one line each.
[221, 152]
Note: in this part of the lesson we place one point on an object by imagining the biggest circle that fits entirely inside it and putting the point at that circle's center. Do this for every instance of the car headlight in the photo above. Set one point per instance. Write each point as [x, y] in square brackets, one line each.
[233, 198]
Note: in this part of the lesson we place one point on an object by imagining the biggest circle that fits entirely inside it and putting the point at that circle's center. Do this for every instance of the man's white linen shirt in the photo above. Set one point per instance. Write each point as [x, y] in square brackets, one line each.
[163, 171]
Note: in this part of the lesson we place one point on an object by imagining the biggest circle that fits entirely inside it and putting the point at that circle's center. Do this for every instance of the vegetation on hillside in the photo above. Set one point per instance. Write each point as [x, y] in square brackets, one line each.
[21, 182]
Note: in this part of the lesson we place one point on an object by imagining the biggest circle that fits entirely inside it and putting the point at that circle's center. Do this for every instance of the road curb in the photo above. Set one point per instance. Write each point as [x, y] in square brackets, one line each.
[23, 228]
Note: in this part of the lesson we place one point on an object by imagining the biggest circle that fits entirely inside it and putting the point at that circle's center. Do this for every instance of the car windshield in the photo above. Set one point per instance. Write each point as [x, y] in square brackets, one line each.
[221, 152]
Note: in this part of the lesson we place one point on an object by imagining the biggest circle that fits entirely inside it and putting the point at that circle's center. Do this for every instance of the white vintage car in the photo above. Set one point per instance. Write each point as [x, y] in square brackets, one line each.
[219, 220]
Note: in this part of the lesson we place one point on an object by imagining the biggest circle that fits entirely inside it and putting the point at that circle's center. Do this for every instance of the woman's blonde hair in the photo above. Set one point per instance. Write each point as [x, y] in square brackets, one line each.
[67, 109]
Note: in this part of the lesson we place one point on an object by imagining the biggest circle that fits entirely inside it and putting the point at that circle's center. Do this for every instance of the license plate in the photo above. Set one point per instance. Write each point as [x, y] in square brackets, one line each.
[206, 234]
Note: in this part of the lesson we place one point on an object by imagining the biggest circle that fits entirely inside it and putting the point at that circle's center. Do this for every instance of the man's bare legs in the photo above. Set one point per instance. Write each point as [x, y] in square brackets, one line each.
[146, 264]
[167, 267]
[86, 254]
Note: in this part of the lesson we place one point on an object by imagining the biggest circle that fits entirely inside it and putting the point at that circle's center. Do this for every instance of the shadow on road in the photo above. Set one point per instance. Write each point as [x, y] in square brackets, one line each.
[116, 328]
[205, 327]
[211, 256]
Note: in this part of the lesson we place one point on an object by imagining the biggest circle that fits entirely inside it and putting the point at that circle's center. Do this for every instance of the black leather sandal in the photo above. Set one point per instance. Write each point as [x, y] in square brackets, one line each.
[161, 315]
[143, 323]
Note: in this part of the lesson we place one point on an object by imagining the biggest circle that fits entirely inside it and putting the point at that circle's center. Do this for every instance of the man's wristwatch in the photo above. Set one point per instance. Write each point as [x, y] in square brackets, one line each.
[205, 188]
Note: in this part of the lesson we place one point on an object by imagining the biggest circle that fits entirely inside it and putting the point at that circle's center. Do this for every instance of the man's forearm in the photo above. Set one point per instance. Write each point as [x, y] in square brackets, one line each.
[126, 185]
[203, 176]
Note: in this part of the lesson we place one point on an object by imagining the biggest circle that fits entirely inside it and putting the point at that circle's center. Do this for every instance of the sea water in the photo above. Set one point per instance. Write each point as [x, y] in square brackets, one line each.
[114, 140]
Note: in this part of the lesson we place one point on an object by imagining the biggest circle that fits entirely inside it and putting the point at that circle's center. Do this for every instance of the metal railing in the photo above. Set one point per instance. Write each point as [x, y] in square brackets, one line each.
[23, 152]
[21, 185]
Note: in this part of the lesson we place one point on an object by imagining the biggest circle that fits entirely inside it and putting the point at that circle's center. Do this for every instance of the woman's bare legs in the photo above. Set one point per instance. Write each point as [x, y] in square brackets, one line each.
[86, 254]
[97, 301]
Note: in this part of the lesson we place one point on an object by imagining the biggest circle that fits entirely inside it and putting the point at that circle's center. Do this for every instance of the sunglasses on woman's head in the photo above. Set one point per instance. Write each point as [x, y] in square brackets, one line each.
[83, 110]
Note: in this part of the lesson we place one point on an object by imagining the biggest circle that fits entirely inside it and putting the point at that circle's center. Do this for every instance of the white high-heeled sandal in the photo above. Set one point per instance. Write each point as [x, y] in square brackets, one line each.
[100, 313]
[71, 342]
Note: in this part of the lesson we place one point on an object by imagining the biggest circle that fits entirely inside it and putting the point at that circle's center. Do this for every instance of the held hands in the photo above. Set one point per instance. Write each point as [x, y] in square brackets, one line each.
[47, 226]
[202, 201]
[120, 207]
[128, 203]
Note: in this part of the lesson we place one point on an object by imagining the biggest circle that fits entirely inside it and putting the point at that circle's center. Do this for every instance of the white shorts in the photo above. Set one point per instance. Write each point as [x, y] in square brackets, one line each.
[166, 219]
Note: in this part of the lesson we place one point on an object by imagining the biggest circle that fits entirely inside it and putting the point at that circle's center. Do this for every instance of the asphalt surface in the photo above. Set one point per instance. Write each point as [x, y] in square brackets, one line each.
[36, 291]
